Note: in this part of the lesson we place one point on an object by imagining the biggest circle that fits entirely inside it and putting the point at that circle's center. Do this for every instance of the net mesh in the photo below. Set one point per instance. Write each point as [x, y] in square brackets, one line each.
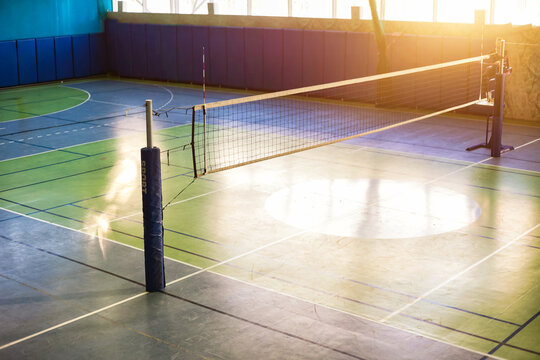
[237, 132]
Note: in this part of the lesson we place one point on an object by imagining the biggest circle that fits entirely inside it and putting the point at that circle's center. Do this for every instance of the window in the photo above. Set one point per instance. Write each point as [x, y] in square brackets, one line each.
[269, 8]
[230, 7]
[313, 9]
[159, 6]
[343, 8]
[517, 12]
[192, 7]
[461, 11]
[409, 10]
[132, 6]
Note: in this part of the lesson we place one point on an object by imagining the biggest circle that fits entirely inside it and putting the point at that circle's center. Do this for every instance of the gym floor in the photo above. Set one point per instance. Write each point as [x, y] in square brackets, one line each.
[396, 245]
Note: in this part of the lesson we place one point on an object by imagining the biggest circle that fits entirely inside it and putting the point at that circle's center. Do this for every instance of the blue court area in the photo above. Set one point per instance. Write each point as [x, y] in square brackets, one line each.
[396, 245]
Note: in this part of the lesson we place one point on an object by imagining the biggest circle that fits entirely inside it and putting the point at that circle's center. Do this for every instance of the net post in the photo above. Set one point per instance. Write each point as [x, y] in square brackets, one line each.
[148, 104]
[204, 137]
[195, 175]
[496, 133]
[154, 266]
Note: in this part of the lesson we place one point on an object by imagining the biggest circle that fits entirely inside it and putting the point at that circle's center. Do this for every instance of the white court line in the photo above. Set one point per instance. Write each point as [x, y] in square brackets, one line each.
[170, 99]
[238, 257]
[268, 245]
[55, 112]
[71, 321]
[86, 143]
[529, 143]
[221, 275]
[174, 203]
[454, 277]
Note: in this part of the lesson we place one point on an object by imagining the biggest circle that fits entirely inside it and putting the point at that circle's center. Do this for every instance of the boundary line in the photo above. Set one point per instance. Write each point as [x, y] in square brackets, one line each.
[470, 267]
[54, 112]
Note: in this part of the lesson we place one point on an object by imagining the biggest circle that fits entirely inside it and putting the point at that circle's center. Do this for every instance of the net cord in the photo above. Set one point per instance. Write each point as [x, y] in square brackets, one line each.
[205, 171]
[360, 80]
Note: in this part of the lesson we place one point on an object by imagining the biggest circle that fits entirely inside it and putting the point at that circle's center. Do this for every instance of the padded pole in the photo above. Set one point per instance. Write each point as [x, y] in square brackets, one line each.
[496, 134]
[152, 210]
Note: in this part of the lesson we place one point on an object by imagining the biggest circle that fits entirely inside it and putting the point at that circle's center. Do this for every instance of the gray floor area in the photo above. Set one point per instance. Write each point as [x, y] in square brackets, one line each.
[63, 298]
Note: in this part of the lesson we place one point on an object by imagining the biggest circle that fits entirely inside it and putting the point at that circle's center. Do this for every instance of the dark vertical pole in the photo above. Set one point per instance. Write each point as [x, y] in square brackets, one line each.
[496, 134]
[152, 210]
[195, 174]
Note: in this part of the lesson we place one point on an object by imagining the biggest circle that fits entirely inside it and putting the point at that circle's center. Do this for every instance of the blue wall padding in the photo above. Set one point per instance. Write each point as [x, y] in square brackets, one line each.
[402, 55]
[454, 80]
[123, 45]
[313, 58]
[373, 55]
[26, 51]
[240, 58]
[356, 63]
[356, 58]
[110, 37]
[334, 55]
[217, 56]
[64, 57]
[138, 50]
[428, 89]
[81, 55]
[9, 75]
[292, 58]
[184, 56]
[98, 53]
[200, 39]
[46, 68]
[254, 58]
[169, 66]
[273, 59]
[153, 50]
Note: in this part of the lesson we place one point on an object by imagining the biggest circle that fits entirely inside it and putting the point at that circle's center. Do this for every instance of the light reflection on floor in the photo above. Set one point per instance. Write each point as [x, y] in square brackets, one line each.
[372, 208]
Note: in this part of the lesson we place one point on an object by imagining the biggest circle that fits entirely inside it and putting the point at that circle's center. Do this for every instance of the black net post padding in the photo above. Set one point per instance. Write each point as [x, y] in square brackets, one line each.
[497, 148]
[496, 134]
[152, 219]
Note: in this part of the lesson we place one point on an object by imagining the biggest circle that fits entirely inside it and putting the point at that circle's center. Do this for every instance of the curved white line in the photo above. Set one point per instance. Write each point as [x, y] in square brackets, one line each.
[56, 112]
[169, 91]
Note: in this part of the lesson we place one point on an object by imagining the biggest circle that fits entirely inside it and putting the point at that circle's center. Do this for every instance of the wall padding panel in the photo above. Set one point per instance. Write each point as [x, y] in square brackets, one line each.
[64, 57]
[241, 57]
[46, 68]
[254, 58]
[153, 51]
[81, 55]
[292, 58]
[9, 74]
[334, 55]
[200, 39]
[26, 52]
[184, 56]
[313, 57]
[273, 59]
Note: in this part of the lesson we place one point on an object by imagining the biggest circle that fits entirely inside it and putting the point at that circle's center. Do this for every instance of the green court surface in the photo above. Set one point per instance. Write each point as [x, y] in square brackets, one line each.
[34, 101]
[473, 285]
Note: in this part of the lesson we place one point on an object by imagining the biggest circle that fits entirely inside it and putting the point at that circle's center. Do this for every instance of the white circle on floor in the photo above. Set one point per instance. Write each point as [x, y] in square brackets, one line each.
[372, 208]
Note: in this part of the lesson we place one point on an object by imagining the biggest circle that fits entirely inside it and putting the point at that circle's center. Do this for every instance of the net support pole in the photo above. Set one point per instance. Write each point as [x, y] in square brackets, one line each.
[152, 210]
[497, 148]
[496, 135]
